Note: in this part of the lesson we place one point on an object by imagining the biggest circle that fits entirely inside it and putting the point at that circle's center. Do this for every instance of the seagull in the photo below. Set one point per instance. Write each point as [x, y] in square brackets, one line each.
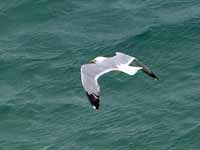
[101, 65]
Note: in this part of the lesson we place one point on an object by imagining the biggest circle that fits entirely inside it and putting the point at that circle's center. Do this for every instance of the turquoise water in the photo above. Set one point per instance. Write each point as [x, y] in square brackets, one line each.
[42, 46]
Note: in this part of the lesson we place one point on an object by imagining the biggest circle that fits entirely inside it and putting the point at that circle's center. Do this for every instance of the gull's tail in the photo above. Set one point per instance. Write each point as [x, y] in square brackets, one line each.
[128, 69]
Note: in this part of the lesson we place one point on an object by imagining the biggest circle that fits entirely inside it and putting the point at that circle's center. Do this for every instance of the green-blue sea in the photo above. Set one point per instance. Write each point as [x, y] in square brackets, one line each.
[43, 106]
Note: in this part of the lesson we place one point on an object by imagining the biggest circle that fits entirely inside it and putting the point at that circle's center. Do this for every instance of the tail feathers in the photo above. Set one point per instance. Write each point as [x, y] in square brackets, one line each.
[128, 69]
[94, 100]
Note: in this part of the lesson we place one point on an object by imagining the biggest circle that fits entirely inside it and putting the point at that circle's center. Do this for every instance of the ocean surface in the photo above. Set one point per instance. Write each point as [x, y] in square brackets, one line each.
[43, 106]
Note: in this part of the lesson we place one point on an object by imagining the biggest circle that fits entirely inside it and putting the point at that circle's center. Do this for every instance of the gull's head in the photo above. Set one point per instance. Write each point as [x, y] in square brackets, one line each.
[98, 59]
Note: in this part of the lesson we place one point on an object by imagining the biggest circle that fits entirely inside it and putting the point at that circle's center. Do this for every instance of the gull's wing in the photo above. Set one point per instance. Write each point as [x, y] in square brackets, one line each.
[89, 76]
[145, 69]
[121, 58]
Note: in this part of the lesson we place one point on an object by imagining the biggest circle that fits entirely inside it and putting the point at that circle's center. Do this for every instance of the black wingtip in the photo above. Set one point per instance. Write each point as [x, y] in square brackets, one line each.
[94, 100]
[154, 76]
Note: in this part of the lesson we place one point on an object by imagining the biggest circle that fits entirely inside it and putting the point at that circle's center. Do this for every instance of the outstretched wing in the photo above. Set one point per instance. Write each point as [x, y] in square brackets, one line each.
[145, 69]
[89, 76]
[122, 58]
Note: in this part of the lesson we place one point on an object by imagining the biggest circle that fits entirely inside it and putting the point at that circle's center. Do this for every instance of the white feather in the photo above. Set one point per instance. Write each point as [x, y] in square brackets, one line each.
[128, 69]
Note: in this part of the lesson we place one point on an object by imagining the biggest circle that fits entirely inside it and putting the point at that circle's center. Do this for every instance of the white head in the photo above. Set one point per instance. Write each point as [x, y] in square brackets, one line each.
[98, 59]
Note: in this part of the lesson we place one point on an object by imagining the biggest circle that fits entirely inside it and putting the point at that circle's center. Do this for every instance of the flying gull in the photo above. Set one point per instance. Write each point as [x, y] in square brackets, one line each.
[101, 65]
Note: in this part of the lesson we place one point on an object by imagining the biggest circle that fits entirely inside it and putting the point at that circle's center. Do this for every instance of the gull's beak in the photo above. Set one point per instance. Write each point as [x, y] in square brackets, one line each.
[92, 61]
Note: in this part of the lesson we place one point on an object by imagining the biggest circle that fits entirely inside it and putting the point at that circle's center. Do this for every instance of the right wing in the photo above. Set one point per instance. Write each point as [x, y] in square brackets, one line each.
[145, 69]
